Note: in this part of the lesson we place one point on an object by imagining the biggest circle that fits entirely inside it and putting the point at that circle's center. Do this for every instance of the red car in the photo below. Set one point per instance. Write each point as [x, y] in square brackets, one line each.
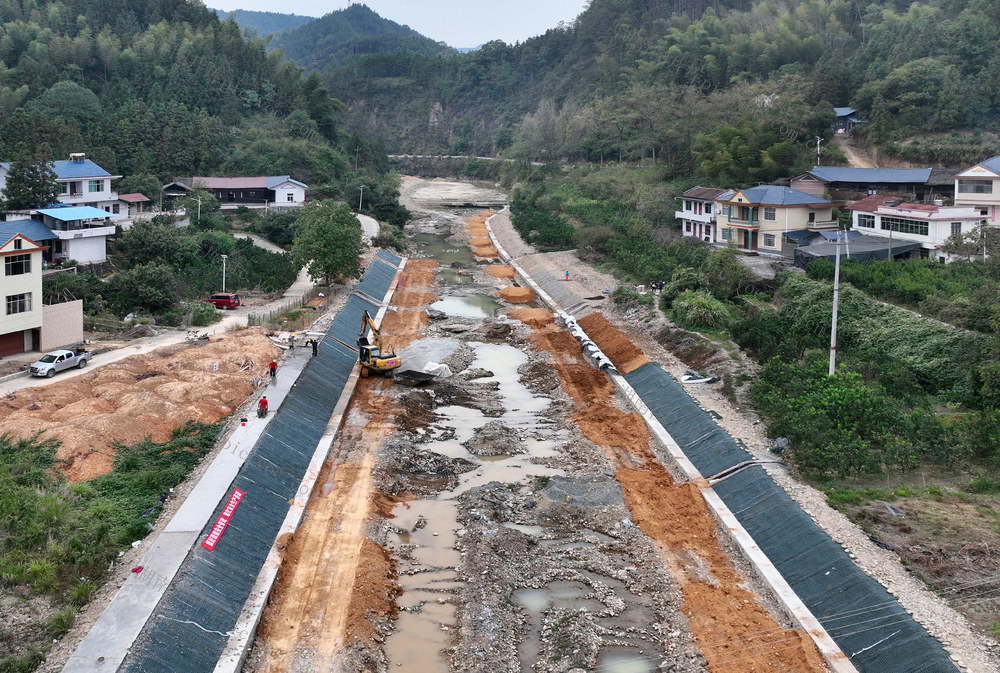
[224, 300]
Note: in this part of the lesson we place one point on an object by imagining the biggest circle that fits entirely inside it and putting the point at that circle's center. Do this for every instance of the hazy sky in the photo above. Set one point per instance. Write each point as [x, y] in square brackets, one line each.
[458, 23]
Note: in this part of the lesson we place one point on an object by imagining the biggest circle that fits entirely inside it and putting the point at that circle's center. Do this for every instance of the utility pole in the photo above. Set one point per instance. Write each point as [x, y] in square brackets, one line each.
[836, 300]
[818, 141]
[362, 199]
[224, 257]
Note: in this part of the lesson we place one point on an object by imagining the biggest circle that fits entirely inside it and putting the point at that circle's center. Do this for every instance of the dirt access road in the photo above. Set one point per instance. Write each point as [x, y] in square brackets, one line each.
[515, 516]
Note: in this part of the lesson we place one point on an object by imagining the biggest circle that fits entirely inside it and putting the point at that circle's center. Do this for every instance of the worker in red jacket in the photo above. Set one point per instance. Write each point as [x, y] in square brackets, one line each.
[262, 406]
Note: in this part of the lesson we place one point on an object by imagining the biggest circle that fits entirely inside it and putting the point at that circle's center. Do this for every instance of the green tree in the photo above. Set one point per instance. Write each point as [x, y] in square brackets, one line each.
[328, 240]
[31, 182]
[146, 287]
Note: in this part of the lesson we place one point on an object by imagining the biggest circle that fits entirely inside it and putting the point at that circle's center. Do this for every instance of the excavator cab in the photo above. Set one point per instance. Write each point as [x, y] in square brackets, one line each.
[370, 350]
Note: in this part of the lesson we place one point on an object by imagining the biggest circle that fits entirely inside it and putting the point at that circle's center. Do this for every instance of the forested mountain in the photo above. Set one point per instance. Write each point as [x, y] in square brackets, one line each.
[344, 36]
[264, 23]
[158, 88]
[728, 89]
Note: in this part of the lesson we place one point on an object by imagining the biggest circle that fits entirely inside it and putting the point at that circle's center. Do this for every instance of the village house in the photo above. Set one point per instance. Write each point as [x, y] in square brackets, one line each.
[81, 183]
[80, 233]
[929, 225]
[262, 191]
[979, 187]
[697, 214]
[758, 218]
[849, 183]
[21, 317]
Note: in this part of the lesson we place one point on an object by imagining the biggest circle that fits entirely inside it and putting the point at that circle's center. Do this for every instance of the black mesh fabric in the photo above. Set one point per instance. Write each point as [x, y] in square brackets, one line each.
[193, 620]
[867, 622]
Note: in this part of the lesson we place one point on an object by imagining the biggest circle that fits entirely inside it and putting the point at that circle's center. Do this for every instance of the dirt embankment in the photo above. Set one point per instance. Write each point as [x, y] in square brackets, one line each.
[734, 632]
[337, 587]
[143, 395]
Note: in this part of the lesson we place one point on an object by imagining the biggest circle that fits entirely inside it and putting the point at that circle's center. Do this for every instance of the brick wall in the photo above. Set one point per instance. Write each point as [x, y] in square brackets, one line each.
[62, 324]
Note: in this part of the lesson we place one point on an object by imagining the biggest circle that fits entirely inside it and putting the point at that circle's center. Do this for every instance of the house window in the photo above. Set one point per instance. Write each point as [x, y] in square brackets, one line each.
[17, 243]
[95, 186]
[904, 226]
[770, 214]
[17, 265]
[727, 234]
[966, 186]
[18, 303]
[768, 240]
[64, 188]
[866, 220]
[956, 228]
[290, 197]
[688, 205]
[687, 227]
[115, 208]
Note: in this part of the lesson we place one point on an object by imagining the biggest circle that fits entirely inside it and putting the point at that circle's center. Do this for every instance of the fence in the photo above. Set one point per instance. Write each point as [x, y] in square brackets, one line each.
[287, 304]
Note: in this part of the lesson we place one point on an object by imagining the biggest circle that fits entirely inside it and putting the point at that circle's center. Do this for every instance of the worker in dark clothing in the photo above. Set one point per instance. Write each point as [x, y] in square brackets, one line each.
[315, 345]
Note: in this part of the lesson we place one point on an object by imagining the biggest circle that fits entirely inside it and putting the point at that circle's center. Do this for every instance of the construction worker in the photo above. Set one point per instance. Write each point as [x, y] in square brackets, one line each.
[262, 407]
[315, 345]
[273, 368]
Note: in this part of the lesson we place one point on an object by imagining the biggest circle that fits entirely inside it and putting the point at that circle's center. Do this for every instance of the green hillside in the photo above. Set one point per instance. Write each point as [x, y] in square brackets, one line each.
[695, 83]
[344, 36]
[264, 23]
[162, 88]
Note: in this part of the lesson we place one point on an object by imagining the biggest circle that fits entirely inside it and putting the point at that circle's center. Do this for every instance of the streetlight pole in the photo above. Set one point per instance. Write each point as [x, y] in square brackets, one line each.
[836, 300]
[199, 209]
[224, 257]
[362, 199]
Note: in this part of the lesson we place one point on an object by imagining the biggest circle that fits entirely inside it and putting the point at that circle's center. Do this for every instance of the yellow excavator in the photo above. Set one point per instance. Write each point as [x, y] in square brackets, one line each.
[371, 353]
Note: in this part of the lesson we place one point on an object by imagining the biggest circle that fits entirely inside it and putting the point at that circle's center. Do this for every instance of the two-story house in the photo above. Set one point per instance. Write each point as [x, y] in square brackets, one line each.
[930, 225]
[979, 187]
[81, 183]
[697, 213]
[21, 294]
[757, 218]
[80, 233]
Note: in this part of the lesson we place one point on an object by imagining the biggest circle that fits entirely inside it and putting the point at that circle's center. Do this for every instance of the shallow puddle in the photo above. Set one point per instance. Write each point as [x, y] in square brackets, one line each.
[624, 660]
[437, 247]
[473, 306]
[428, 527]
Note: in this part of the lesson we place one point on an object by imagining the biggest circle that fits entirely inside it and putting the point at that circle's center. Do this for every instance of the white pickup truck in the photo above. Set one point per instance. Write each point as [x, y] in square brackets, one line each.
[56, 361]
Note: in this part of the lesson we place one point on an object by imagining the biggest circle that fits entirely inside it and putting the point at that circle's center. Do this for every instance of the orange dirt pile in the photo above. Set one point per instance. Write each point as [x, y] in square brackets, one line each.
[476, 227]
[141, 395]
[411, 299]
[517, 295]
[480, 242]
[533, 317]
[376, 573]
[733, 632]
[399, 328]
[622, 352]
[500, 271]
[485, 253]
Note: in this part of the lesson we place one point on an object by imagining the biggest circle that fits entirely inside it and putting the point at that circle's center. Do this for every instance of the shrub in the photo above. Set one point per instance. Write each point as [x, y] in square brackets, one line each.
[61, 622]
[695, 309]
[627, 296]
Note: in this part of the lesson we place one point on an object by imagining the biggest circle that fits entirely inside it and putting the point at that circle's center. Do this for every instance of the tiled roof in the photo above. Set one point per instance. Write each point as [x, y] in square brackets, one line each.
[870, 203]
[70, 170]
[773, 195]
[133, 198]
[707, 193]
[275, 180]
[993, 164]
[843, 111]
[33, 229]
[871, 175]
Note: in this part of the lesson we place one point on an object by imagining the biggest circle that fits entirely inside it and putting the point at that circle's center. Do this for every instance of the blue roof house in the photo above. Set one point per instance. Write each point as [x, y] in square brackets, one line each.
[80, 232]
[81, 183]
[756, 219]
